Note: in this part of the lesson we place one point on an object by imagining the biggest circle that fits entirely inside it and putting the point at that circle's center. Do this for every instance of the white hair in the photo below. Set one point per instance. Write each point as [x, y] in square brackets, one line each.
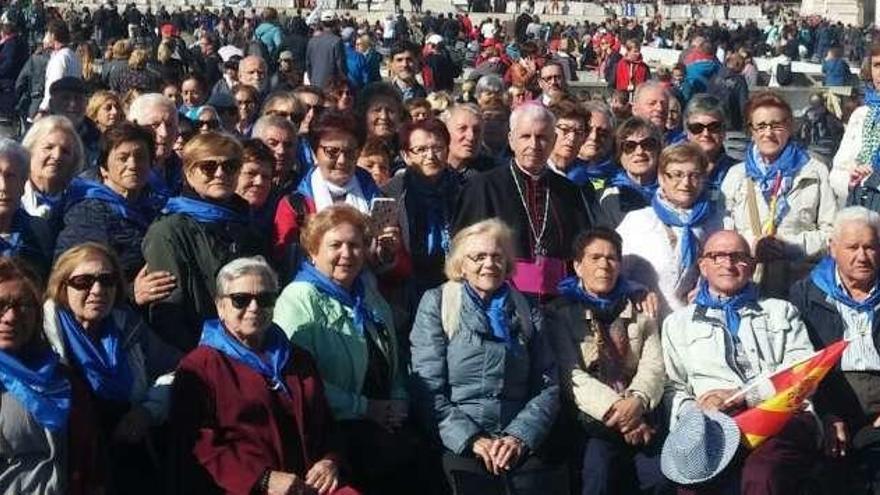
[240, 267]
[599, 107]
[267, 122]
[856, 214]
[470, 108]
[532, 111]
[137, 112]
[49, 124]
[648, 86]
[17, 155]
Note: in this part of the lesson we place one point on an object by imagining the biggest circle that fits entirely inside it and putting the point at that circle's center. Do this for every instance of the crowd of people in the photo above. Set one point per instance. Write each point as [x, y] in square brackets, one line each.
[306, 256]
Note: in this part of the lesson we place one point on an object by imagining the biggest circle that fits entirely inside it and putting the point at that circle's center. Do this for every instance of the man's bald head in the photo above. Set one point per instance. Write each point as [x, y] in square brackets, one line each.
[726, 262]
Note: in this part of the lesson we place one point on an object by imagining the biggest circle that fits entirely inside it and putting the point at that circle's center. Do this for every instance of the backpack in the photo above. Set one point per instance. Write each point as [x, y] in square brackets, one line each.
[450, 310]
[784, 75]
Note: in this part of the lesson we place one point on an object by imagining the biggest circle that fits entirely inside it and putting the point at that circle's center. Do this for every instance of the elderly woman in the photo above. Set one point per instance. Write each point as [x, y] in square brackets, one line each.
[571, 131]
[201, 230]
[334, 311]
[206, 119]
[21, 235]
[779, 199]
[47, 423]
[489, 89]
[597, 152]
[248, 412]
[282, 104]
[859, 152]
[255, 179]
[104, 109]
[611, 366]
[484, 373]
[661, 242]
[633, 186]
[705, 123]
[117, 209]
[336, 178]
[427, 191]
[108, 346]
[381, 112]
[56, 157]
[248, 102]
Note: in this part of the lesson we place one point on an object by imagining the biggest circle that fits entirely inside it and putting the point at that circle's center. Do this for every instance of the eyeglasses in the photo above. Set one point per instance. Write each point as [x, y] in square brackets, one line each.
[495, 258]
[735, 258]
[679, 176]
[697, 128]
[570, 131]
[208, 124]
[601, 132]
[424, 150]
[333, 152]
[770, 126]
[648, 144]
[86, 281]
[209, 167]
[279, 113]
[241, 300]
[16, 304]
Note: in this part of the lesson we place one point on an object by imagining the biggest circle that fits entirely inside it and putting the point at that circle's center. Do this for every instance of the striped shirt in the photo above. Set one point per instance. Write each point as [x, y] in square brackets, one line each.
[861, 354]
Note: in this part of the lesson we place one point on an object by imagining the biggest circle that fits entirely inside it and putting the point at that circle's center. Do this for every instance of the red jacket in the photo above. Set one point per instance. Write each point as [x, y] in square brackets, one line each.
[229, 427]
[287, 223]
[630, 72]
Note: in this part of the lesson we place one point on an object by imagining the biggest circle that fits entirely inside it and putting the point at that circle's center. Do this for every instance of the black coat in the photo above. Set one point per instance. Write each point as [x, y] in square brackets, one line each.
[494, 194]
[825, 326]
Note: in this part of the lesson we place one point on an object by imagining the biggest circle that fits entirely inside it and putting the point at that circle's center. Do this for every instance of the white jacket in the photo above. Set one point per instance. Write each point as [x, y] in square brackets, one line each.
[845, 159]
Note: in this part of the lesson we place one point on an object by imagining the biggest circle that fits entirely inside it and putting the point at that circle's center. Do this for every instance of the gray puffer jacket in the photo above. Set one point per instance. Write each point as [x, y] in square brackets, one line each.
[473, 384]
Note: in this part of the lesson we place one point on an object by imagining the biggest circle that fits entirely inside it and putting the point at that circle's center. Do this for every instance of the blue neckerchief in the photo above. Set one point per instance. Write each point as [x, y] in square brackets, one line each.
[698, 213]
[53, 202]
[622, 180]
[494, 311]
[202, 211]
[789, 163]
[432, 201]
[354, 298]
[16, 243]
[722, 166]
[872, 97]
[106, 366]
[365, 180]
[276, 348]
[39, 386]
[168, 184]
[305, 154]
[747, 296]
[675, 136]
[138, 213]
[582, 171]
[606, 306]
[823, 276]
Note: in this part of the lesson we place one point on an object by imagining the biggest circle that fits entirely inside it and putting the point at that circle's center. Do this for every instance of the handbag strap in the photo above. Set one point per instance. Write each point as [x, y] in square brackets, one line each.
[752, 205]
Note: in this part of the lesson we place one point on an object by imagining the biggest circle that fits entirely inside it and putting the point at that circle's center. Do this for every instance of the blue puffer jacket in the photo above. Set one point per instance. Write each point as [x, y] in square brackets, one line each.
[474, 384]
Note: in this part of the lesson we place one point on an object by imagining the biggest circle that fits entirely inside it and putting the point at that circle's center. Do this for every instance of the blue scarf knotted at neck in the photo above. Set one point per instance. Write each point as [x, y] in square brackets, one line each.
[364, 179]
[622, 180]
[872, 97]
[18, 242]
[39, 386]
[698, 213]
[582, 172]
[136, 212]
[494, 311]
[105, 366]
[203, 211]
[431, 200]
[607, 307]
[354, 298]
[824, 277]
[722, 166]
[731, 305]
[788, 164]
[276, 348]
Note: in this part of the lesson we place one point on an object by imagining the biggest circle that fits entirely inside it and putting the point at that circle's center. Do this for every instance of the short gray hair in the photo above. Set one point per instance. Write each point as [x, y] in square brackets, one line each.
[17, 155]
[594, 106]
[706, 104]
[470, 108]
[137, 112]
[534, 111]
[859, 215]
[648, 86]
[267, 122]
[49, 124]
[489, 82]
[240, 267]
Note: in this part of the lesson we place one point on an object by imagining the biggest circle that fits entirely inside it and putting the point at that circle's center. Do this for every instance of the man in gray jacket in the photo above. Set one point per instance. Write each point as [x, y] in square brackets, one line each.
[325, 54]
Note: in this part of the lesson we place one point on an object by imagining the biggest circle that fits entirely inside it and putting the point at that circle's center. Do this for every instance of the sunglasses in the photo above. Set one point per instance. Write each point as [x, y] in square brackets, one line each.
[647, 144]
[87, 281]
[241, 300]
[333, 152]
[697, 128]
[209, 167]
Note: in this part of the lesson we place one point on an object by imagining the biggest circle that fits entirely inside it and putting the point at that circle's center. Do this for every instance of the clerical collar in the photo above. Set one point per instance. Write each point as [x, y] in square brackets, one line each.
[528, 174]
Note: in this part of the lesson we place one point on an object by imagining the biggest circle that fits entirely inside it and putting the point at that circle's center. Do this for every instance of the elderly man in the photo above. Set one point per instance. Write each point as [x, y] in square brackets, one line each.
[157, 113]
[544, 210]
[721, 342]
[552, 81]
[705, 120]
[465, 125]
[597, 152]
[839, 300]
[253, 71]
[651, 102]
[279, 134]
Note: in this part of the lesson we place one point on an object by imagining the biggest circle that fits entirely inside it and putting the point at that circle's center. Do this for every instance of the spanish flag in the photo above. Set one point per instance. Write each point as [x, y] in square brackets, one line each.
[792, 386]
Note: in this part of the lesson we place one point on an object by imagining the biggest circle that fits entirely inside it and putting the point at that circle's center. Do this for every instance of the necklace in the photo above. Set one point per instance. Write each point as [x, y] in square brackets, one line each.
[537, 237]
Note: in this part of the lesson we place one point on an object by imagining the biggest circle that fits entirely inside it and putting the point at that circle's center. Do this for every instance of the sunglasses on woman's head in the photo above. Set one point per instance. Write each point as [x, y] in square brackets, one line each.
[86, 281]
[209, 167]
[648, 144]
[241, 300]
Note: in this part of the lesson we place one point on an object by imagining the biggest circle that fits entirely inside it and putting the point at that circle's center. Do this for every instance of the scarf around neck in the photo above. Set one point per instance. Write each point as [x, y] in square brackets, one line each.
[606, 308]
[776, 181]
[355, 298]
[430, 203]
[687, 220]
[870, 151]
[105, 366]
[136, 212]
[582, 171]
[824, 276]
[622, 180]
[276, 348]
[39, 386]
[494, 311]
[359, 191]
[731, 305]
[19, 242]
[203, 211]
[722, 166]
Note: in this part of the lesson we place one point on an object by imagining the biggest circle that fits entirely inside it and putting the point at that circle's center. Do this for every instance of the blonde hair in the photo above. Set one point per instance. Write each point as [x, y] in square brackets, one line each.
[52, 123]
[493, 228]
[329, 218]
[208, 145]
[73, 257]
[164, 52]
[98, 100]
[138, 59]
[683, 153]
[440, 101]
